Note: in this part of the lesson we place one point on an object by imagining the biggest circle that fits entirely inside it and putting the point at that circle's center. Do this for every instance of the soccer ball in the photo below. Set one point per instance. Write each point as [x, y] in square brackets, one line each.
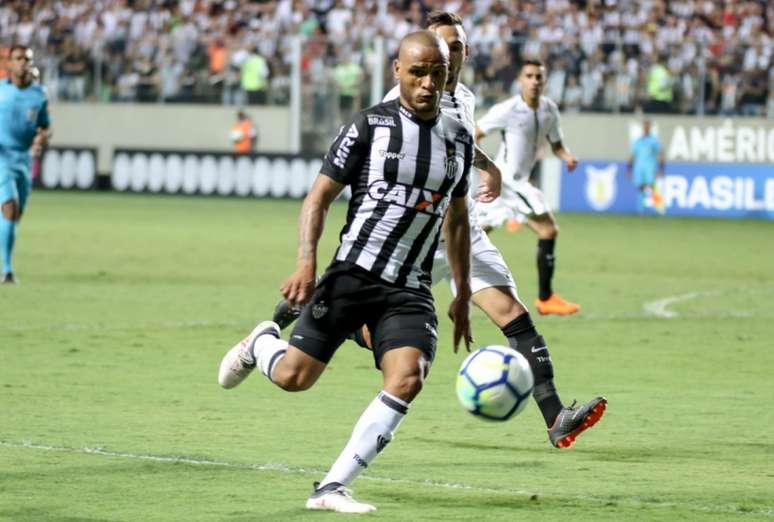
[494, 383]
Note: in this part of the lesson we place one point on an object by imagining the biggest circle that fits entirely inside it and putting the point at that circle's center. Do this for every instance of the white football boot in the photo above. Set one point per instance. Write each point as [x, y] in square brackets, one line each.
[335, 497]
[240, 361]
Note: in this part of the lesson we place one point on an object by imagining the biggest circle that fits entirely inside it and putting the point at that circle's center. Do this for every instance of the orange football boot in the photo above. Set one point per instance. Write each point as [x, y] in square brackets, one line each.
[556, 305]
[512, 226]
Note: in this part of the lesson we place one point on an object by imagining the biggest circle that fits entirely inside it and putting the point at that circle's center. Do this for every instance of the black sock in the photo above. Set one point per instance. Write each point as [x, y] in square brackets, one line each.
[524, 338]
[545, 262]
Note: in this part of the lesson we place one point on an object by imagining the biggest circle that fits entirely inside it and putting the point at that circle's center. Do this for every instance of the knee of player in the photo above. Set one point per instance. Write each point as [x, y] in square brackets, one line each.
[405, 387]
[552, 230]
[293, 380]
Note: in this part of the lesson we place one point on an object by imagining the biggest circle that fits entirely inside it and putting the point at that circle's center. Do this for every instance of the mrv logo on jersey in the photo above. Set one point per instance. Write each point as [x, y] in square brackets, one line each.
[343, 150]
[416, 198]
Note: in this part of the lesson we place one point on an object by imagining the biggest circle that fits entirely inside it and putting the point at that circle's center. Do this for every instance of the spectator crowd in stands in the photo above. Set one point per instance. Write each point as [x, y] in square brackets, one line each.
[682, 56]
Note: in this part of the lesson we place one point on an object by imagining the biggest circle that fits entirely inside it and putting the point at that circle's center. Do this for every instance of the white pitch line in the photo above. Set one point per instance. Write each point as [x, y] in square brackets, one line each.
[286, 468]
[659, 307]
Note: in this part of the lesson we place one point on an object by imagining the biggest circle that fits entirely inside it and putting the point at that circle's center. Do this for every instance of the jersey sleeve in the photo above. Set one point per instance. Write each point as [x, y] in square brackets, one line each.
[554, 133]
[495, 119]
[44, 120]
[349, 150]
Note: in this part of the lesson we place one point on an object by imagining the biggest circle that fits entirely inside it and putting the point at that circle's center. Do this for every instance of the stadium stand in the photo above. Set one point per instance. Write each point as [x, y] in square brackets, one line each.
[682, 56]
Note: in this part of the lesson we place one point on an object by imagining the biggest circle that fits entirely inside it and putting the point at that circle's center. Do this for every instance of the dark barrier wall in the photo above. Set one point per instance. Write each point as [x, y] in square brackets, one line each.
[213, 173]
[68, 168]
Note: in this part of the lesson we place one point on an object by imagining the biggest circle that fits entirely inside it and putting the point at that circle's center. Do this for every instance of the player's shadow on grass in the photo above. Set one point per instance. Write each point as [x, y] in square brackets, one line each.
[636, 454]
[500, 445]
[35, 513]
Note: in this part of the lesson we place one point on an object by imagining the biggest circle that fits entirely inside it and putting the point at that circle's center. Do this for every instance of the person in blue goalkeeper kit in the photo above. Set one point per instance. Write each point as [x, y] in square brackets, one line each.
[646, 162]
[24, 124]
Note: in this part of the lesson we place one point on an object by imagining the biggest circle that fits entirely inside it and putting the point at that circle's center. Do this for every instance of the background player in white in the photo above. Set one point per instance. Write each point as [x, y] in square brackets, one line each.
[524, 121]
[493, 286]
[408, 167]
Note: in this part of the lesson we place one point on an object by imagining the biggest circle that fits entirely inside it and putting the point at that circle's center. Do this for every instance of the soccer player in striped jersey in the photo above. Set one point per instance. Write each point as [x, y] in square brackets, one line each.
[24, 124]
[408, 167]
[493, 286]
[523, 122]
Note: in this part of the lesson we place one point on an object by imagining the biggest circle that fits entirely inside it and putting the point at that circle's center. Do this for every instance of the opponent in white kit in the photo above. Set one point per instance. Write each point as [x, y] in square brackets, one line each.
[524, 121]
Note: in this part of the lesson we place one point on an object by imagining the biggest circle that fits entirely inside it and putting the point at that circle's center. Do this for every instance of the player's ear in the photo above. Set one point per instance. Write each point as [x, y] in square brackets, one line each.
[467, 51]
[396, 69]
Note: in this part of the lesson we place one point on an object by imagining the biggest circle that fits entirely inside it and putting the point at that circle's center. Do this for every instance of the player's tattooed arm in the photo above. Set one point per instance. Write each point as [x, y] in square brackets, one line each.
[490, 180]
[478, 135]
[299, 286]
[481, 160]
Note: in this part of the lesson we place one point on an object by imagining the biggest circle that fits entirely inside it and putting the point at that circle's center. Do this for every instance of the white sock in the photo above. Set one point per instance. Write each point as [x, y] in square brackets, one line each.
[268, 350]
[372, 433]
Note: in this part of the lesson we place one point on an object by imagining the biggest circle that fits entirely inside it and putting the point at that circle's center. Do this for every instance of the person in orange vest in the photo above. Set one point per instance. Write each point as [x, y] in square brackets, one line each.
[244, 135]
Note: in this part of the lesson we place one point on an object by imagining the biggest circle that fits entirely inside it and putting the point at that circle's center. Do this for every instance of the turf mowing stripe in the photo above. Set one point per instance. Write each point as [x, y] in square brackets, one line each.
[286, 468]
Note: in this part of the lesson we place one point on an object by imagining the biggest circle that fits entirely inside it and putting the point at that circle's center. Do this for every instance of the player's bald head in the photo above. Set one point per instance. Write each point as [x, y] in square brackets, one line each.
[423, 42]
[421, 69]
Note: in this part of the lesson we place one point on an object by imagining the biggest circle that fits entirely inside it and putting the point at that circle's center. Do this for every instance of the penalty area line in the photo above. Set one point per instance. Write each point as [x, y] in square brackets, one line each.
[660, 307]
[286, 468]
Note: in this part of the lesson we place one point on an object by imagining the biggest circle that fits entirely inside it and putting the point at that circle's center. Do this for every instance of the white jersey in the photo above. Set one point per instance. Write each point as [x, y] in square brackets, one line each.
[460, 105]
[522, 129]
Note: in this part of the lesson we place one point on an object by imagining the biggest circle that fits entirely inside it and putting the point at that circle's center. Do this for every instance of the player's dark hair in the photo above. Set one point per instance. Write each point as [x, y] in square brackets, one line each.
[18, 47]
[443, 18]
[531, 61]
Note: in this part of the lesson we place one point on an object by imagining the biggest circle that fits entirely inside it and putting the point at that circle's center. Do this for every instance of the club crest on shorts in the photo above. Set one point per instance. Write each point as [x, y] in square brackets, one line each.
[319, 310]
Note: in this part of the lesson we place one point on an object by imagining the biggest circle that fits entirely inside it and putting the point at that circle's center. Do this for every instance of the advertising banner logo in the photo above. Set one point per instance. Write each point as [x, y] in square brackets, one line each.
[732, 190]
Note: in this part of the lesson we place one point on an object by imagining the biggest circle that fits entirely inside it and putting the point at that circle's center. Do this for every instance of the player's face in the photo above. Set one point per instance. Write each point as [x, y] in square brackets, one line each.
[646, 127]
[20, 65]
[531, 81]
[457, 40]
[422, 73]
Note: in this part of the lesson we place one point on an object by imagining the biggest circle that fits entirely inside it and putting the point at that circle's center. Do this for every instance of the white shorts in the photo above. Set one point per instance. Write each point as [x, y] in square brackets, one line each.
[519, 200]
[487, 266]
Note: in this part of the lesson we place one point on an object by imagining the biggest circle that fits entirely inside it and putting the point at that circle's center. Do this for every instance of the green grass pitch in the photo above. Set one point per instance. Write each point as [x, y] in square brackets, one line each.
[110, 410]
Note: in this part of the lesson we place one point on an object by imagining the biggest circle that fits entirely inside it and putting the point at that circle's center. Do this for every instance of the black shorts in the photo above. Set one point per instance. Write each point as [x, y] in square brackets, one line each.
[348, 297]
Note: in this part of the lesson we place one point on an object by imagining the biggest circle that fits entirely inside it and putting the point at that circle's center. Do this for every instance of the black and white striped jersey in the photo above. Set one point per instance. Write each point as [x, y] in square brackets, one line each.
[460, 105]
[403, 173]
